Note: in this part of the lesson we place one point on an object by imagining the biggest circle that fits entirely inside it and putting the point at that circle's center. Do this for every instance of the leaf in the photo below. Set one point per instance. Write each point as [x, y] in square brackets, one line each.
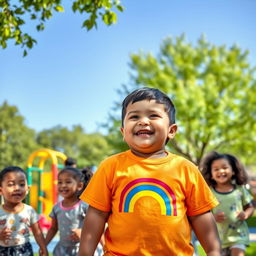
[59, 8]
[3, 43]
[25, 53]
[7, 31]
[88, 24]
[109, 18]
[33, 16]
[120, 8]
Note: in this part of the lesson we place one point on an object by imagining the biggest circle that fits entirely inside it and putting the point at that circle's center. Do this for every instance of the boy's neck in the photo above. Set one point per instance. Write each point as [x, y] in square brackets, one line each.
[151, 155]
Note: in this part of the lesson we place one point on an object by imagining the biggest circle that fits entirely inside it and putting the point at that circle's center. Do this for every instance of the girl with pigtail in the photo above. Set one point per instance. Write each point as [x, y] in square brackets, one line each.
[68, 214]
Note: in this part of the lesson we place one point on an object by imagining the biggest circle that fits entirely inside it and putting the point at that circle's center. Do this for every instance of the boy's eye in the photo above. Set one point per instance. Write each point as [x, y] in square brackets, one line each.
[154, 115]
[134, 117]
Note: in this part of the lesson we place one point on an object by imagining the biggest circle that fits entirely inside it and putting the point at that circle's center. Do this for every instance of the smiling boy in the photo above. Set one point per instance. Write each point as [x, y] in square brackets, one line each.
[150, 198]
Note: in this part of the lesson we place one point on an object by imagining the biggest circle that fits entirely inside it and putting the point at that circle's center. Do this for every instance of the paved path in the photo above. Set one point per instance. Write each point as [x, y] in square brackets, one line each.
[253, 237]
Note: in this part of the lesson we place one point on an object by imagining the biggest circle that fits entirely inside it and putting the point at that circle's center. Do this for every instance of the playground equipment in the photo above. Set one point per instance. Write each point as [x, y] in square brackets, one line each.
[43, 182]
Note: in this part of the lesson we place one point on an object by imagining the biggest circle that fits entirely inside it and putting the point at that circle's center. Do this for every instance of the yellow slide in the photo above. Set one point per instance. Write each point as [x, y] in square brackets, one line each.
[43, 181]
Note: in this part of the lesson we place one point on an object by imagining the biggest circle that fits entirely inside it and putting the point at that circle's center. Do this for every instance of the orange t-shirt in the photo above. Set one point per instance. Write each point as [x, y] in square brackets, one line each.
[148, 201]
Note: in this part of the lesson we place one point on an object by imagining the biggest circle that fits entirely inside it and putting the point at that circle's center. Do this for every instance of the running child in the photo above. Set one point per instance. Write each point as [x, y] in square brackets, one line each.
[227, 177]
[149, 197]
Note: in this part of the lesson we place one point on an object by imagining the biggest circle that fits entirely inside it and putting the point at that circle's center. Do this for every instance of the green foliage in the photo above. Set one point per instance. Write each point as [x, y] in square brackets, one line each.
[251, 222]
[213, 89]
[88, 149]
[251, 250]
[14, 15]
[93, 149]
[16, 140]
[61, 139]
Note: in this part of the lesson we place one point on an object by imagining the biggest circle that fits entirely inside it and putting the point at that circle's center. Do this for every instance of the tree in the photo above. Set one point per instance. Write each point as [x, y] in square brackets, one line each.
[87, 149]
[14, 15]
[17, 141]
[213, 89]
[93, 149]
[61, 139]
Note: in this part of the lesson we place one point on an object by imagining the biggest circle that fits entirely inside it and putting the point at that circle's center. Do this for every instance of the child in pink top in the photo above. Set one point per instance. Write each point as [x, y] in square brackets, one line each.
[68, 215]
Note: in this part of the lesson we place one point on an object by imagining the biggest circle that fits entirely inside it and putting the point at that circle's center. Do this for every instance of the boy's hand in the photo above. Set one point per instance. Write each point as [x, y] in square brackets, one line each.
[76, 234]
[220, 216]
[5, 234]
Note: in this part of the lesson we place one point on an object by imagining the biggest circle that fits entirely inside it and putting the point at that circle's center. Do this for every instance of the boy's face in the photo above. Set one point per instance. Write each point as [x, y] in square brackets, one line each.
[146, 127]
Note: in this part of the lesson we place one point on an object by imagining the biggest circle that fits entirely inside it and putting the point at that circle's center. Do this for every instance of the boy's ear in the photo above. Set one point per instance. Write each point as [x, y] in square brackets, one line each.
[122, 131]
[172, 131]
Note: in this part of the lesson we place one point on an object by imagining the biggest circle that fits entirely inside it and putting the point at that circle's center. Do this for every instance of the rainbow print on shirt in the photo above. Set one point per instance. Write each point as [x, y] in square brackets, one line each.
[154, 188]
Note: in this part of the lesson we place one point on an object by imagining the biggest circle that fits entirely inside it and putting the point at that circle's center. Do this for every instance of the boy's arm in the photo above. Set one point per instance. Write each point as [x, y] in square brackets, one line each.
[52, 231]
[205, 229]
[37, 232]
[92, 230]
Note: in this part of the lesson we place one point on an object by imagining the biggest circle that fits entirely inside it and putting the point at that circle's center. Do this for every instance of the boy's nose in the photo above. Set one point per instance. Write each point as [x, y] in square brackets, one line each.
[144, 121]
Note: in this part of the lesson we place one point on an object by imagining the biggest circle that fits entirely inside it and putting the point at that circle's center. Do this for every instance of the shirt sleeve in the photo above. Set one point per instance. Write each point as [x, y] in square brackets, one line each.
[34, 217]
[246, 196]
[199, 197]
[53, 213]
[84, 207]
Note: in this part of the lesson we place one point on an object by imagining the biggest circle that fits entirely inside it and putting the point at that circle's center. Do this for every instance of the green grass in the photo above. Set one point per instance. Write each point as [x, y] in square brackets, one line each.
[36, 254]
[250, 251]
[251, 222]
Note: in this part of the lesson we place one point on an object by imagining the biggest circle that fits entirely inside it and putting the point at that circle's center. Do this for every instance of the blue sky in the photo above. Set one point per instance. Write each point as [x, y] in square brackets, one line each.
[71, 76]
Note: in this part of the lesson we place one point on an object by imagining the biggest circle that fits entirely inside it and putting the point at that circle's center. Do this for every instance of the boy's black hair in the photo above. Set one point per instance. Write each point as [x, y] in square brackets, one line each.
[70, 161]
[149, 94]
[240, 175]
[83, 176]
[10, 169]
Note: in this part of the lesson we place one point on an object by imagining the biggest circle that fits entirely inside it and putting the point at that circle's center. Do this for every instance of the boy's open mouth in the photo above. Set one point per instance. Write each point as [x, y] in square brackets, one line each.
[142, 132]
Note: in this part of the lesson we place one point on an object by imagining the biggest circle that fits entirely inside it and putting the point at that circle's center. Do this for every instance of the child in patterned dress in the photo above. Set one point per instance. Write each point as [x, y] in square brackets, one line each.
[227, 177]
[16, 218]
